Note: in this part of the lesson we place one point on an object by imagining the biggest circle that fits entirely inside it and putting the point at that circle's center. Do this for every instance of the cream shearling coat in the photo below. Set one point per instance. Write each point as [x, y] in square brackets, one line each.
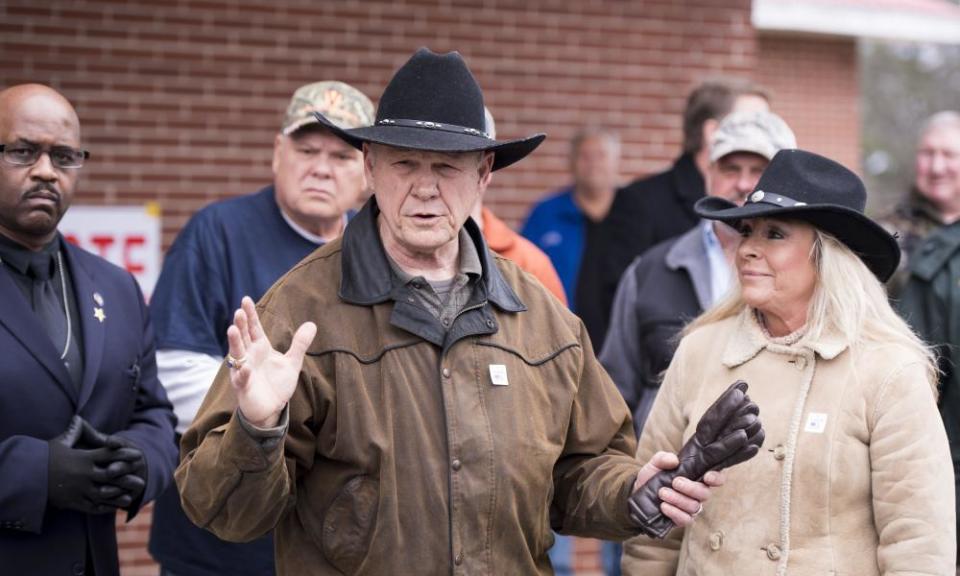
[854, 477]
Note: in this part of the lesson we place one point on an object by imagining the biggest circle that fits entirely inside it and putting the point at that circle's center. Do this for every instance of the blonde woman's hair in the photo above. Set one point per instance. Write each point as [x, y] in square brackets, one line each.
[848, 299]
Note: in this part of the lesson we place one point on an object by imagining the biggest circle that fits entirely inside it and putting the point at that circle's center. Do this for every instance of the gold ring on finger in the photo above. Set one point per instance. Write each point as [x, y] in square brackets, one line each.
[235, 363]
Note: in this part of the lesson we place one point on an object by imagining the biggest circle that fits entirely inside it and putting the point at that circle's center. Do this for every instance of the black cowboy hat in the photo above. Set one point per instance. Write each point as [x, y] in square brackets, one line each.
[434, 103]
[800, 185]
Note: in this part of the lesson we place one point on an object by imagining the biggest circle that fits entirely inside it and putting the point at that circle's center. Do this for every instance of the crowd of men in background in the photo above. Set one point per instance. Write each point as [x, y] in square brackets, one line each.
[634, 261]
[638, 264]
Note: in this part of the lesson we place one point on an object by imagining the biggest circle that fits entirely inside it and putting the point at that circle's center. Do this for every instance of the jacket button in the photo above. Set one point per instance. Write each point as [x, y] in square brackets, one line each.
[445, 321]
[78, 569]
[490, 323]
[459, 559]
[773, 552]
[716, 540]
[456, 465]
[801, 362]
[445, 372]
[779, 453]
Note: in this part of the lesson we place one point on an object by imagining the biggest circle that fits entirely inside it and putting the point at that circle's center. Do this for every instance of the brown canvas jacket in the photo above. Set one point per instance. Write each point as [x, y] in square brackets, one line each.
[412, 449]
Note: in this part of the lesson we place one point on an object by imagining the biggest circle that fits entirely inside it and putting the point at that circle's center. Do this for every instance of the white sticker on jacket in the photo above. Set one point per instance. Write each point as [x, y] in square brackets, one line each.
[498, 375]
[816, 423]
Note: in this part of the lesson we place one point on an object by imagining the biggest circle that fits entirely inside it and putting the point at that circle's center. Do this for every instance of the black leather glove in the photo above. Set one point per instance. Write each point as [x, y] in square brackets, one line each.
[76, 477]
[728, 433]
[128, 468]
[91, 472]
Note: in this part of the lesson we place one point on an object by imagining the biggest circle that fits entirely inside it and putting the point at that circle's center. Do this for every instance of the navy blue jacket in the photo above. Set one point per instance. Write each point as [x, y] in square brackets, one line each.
[230, 249]
[119, 394]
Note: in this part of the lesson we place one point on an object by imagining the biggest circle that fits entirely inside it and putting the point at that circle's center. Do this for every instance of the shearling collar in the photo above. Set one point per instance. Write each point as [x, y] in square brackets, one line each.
[748, 339]
[367, 278]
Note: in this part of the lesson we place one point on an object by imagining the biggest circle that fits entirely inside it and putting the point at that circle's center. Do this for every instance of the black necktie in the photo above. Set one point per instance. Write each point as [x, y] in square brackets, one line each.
[47, 303]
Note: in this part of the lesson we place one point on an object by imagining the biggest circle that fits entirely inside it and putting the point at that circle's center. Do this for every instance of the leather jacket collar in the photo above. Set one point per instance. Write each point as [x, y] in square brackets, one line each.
[367, 278]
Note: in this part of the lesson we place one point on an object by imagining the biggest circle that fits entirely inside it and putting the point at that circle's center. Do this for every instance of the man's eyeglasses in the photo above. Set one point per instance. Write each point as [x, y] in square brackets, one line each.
[26, 154]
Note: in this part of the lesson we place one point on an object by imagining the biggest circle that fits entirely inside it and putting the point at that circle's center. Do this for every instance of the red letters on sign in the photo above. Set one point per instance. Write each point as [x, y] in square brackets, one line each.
[102, 242]
[101, 245]
[128, 245]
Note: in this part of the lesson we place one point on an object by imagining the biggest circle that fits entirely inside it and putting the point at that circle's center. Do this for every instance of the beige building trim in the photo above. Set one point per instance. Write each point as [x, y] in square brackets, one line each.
[912, 20]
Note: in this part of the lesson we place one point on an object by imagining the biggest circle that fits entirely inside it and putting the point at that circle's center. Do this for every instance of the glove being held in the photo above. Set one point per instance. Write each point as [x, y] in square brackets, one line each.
[729, 432]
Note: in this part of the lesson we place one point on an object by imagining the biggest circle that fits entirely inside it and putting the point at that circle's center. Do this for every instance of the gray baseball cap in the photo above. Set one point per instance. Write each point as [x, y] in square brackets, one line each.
[762, 133]
[341, 103]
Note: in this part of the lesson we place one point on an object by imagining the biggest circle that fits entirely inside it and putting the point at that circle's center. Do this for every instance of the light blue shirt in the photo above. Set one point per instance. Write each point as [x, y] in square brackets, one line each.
[720, 273]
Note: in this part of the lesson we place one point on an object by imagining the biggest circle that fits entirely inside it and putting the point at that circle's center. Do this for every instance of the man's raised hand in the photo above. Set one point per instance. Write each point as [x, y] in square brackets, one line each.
[263, 378]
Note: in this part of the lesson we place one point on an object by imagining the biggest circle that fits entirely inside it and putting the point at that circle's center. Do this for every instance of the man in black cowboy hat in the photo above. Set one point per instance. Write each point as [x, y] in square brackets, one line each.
[448, 412]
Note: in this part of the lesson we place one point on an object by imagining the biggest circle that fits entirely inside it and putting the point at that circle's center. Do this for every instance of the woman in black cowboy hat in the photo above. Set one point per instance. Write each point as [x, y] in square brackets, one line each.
[855, 476]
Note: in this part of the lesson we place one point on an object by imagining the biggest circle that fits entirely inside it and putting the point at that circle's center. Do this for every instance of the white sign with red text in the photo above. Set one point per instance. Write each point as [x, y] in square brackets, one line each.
[128, 236]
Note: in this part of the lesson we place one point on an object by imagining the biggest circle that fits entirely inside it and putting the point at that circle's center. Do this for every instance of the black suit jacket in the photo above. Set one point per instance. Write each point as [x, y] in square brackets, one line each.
[643, 214]
[120, 394]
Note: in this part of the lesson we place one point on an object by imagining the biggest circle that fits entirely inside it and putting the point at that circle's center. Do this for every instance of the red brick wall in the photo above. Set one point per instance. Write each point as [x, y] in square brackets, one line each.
[132, 544]
[815, 86]
[179, 101]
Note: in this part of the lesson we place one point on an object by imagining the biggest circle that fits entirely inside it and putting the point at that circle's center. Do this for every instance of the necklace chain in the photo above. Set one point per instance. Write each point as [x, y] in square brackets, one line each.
[66, 304]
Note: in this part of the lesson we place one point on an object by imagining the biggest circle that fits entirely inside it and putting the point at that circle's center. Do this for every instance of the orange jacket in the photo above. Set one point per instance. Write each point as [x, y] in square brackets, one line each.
[504, 241]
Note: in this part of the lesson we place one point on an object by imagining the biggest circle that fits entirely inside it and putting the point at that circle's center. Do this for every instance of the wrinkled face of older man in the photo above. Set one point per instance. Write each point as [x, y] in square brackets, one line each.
[317, 177]
[34, 197]
[424, 197]
[938, 167]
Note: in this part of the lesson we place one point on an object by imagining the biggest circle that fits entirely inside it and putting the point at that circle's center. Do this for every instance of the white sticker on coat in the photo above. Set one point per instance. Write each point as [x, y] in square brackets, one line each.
[816, 423]
[498, 375]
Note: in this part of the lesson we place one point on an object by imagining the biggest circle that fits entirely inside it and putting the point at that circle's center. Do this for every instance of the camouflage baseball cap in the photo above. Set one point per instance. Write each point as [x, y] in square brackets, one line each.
[341, 103]
[762, 133]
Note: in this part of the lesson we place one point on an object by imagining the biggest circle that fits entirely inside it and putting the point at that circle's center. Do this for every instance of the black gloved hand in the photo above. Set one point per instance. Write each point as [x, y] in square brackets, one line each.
[128, 468]
[728, 433]
[76, 480]
[91, 472]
